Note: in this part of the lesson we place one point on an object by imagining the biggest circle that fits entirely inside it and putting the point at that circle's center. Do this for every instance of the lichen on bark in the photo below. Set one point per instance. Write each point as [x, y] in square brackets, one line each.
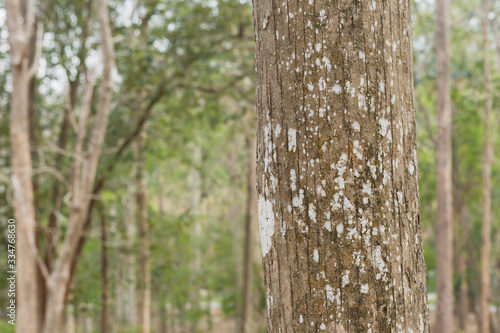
[337, 174]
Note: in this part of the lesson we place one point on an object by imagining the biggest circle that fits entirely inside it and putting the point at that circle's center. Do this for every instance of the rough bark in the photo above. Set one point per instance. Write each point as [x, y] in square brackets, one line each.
[144, 302]
[83, 178]
[486, 164]
[444, 227]
[20, 25]
[337, 177]
[250, 224]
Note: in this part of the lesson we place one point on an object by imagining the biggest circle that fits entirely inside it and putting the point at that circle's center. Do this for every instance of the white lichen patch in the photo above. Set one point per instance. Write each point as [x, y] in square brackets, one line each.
[355, 126]
[316, 256]
[345, 278]
[329, 293]
[337, 89]
[312, 212]
[266, 224]
[411, 168]
[364, 289]
[384, 125]
[292, 139]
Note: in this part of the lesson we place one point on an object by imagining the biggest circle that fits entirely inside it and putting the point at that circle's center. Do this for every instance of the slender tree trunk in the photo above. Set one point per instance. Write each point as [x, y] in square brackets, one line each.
[130, 270]
[20, 23]
[143, 224]
[194, 182]
[487, 158]
[250, 224]
[463, 297]
[83, 178]
[444, 236]
[105, 310]
[337, 177]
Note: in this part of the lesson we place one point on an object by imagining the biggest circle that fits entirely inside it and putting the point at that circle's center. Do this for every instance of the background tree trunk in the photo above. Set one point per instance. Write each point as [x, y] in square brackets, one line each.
[194, 183]
[105, 309]
[487, 158]
[337, 180]
[83, 177]
[130, 304]
[20, 22]
[250, 224]
[143, 224]
[444, 234]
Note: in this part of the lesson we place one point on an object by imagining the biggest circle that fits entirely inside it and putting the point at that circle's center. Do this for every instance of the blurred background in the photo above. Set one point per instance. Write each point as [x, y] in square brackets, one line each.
[173, 208]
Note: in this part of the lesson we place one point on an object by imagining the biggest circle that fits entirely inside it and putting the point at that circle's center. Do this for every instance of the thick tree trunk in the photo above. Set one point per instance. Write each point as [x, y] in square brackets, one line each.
[105, 310]
[444, 235]
[487, 158]
[337, 177]
[250, 224]
[19, 23]
[143, 224]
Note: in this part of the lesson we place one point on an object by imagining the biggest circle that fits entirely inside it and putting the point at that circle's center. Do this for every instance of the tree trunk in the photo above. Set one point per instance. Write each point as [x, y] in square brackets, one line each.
[463, 297]
[444, 235]
[337, 177]
[250, 222]
[194, 183]
[83, 178]
[487, 158]
[143, 224]
[19, 23]
[130, 270]
[105, 310]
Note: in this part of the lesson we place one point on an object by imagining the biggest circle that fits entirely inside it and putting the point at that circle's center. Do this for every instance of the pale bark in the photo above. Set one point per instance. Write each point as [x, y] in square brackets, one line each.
[337, 176]
[250, 229]
[144, 302]
[20, 27]
[444, 228]
[84, 171]
[486, 164]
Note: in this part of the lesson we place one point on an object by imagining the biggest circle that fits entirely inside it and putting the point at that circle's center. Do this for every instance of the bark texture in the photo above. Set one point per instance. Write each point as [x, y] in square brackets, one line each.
[487, 158]
[444, 235]
[337, 176]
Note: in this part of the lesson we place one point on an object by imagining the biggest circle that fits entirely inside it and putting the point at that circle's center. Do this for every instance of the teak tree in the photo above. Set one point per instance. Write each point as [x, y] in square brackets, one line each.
[337, 176]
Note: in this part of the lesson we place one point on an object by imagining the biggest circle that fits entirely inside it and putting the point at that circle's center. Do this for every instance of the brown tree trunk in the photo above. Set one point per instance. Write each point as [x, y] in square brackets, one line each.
[105, 310]
[20, 24]
[130, 264]
[83, 178]
[487, 158]
[250, 224]
[463, 297]
[194, 183]
[144, 301]
[444, 232]
[337, 177]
